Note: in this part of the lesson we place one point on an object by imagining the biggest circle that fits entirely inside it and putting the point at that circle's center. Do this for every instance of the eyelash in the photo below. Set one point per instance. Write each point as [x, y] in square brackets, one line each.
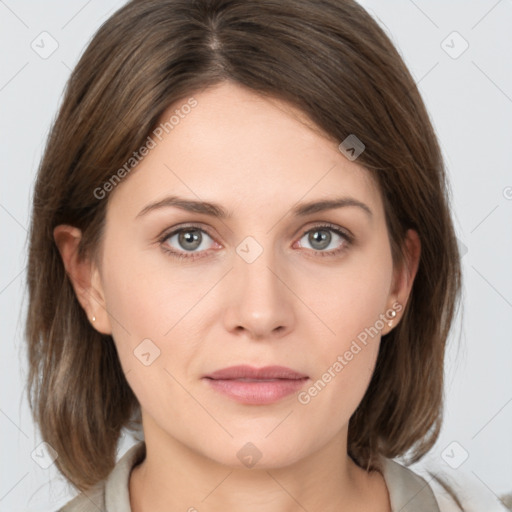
[348, 240]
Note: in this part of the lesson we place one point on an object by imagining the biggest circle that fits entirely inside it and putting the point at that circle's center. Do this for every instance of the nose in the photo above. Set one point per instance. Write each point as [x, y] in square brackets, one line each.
[260, 301]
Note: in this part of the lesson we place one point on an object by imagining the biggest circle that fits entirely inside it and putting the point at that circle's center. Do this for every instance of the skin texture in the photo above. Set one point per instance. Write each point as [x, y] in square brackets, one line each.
[293, 305]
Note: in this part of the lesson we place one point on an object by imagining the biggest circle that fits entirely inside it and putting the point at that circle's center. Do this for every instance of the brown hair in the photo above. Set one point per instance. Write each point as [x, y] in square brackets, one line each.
[330, 59]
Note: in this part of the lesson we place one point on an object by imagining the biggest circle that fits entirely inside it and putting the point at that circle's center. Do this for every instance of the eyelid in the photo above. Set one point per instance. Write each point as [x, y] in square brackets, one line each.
[302, 231]
[167, 233]
[345, 234]
[182, 255]
[341, 231]
[324, 224]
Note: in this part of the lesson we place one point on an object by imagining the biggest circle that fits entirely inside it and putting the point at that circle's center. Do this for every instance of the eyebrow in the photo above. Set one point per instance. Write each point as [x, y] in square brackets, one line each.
[216, 210]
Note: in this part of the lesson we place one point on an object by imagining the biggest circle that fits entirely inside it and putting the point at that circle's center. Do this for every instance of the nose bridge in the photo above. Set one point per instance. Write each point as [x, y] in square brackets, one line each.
[255, 265]
[261, 301]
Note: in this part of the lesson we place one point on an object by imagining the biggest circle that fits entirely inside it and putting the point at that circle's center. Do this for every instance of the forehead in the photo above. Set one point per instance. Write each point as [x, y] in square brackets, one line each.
[239, 148]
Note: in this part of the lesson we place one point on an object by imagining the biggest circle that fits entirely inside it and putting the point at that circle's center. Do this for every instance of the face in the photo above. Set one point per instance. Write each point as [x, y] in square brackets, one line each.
[189, 293]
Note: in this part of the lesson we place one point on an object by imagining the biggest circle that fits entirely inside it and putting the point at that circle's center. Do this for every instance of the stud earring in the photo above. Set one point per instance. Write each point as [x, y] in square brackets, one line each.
[393, 314]
[94, 319]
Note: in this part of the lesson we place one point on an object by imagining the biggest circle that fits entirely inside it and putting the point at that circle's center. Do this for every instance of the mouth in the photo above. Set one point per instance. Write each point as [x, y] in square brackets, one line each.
[256, 386]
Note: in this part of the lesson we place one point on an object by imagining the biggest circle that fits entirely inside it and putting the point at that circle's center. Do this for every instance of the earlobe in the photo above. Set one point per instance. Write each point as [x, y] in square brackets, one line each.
[405, 275]
[84, 277]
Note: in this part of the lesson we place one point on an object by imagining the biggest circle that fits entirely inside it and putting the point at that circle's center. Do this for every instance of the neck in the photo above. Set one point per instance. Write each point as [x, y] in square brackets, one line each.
[174, 477]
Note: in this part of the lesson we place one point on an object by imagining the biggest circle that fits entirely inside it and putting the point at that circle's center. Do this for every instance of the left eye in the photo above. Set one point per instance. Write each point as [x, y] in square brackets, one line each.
[321, 237]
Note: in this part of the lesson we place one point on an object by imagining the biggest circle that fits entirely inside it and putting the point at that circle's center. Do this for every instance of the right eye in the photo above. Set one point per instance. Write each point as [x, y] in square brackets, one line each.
[188, 239]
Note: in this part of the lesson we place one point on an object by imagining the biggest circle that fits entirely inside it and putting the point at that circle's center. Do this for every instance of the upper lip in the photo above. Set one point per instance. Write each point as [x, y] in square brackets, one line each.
[249, 372]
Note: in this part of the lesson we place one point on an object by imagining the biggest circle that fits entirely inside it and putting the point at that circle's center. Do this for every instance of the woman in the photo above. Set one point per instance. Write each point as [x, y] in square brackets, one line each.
[241, 244]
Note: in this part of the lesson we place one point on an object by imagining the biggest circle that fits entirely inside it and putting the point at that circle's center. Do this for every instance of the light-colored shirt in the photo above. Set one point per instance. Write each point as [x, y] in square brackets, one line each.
[408, 491]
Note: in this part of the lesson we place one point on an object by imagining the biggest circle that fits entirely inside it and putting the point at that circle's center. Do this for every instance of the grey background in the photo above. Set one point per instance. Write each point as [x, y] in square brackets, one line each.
[470, 102]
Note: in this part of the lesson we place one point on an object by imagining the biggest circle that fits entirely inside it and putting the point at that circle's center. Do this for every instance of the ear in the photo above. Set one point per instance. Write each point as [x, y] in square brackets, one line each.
[403, 277]
[84, 276]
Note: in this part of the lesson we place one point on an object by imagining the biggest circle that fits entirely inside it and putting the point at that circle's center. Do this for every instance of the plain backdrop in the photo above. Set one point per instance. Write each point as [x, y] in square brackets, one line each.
[460, 55]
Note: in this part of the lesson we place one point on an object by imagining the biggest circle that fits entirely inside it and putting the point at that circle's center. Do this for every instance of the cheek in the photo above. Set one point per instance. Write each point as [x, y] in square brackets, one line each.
[351, 305]
[145, 293]
[148, 315]
[148, 311]
[344, 364]
[351, 299]
[333, 397]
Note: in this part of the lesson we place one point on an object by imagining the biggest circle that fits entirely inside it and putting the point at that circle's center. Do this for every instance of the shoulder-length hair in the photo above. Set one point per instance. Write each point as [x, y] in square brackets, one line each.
[330, 59]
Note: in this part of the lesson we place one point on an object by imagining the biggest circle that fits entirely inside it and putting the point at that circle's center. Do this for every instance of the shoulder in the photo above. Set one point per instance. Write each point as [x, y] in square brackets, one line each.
[433, 489]
[469, 494]
[87, 501]
[113, 492]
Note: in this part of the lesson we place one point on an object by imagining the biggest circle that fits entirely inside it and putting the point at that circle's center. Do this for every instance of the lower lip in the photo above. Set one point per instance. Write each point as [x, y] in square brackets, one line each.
[257, 392]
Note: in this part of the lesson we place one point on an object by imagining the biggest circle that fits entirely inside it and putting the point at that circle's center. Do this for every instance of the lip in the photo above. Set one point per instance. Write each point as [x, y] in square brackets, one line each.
[256, 386]
[249, 372]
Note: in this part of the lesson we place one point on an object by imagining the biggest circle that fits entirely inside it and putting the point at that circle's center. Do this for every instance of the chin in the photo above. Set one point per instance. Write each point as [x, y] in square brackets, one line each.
[256, 452]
